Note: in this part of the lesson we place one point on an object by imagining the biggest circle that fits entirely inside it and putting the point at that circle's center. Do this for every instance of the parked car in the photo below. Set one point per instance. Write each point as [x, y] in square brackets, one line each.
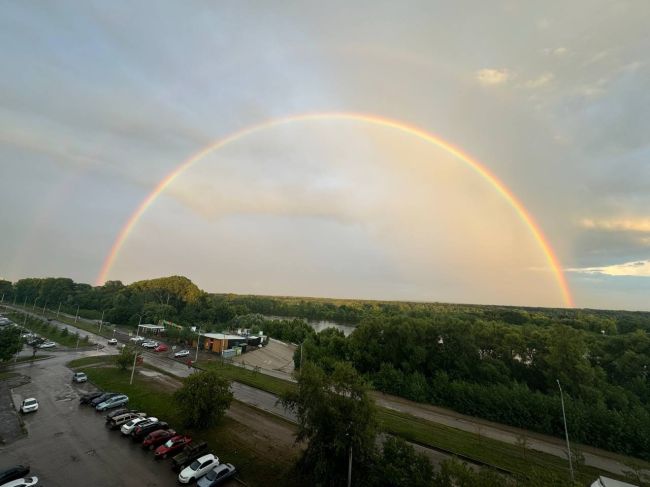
[198, 468]
[182, 353]
[13, 473]
[47, 344]
[86, 398]
[102, 398]
[217, 475]
[112, 402]
[130, 426]
[150, 344]
[156, 438]
[29, 405]
[136, 339]
[79, 377]
[190, 453]
[24, 482]
[142, 430]
[171, 446]
[112, 341]
[161, 348]
[118, 412]
[118, 421]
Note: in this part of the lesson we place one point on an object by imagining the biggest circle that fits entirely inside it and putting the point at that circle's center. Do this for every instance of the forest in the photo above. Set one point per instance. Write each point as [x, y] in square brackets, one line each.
[495, 362]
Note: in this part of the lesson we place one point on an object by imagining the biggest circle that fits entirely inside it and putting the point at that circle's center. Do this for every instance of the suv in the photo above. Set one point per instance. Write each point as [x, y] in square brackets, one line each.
[112, 402]
[79, 377]
[188, 455]
[141, 431]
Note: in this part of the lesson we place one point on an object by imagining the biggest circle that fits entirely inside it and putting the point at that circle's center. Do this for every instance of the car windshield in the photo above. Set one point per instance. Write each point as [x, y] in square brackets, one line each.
[29, 402]
[195, 465]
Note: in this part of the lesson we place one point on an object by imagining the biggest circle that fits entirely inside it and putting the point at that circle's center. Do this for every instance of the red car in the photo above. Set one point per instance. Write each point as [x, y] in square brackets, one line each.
[161, 348]
[172, 446]
[157, 438]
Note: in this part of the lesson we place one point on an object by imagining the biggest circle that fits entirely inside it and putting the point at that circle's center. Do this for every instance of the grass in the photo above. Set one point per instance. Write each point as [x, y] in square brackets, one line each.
[251, 378]
[227, 439]
[26, 358]
[511, 458]
[49, 331]
[8, 375]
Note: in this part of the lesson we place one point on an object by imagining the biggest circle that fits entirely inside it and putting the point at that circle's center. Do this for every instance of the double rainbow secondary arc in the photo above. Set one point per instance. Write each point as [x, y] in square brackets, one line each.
[344, 116]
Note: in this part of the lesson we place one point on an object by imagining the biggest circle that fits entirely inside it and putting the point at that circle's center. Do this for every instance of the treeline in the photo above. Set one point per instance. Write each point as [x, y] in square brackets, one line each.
[507, 373]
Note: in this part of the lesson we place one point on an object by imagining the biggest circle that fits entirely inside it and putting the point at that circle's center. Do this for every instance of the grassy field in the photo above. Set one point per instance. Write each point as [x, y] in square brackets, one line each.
[234, 442]
[8, 375]
[249, 377]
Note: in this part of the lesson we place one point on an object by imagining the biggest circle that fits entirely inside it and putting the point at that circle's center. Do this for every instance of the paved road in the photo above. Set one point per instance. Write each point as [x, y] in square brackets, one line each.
[68, 444]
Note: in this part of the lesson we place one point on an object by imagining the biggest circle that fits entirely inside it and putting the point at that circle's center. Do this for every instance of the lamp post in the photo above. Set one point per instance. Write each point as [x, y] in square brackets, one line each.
[58, 311]
[44, 306]
[566, 431]
[101, 322]
[137, 333]
[133, 369]
[76, 316]
[198, 338]
[34, 307]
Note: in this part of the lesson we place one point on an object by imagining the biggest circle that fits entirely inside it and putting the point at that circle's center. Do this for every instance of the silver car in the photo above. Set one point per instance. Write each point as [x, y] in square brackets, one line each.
[112, 402]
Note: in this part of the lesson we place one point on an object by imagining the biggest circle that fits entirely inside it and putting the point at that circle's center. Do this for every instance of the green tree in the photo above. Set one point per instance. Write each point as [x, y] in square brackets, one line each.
[335, 415]
[10, 343]
[125, 358]
[203, 399]
[402, 466]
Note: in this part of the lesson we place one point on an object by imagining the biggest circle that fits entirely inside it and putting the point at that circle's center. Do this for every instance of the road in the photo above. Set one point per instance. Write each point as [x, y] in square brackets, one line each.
[593, 457]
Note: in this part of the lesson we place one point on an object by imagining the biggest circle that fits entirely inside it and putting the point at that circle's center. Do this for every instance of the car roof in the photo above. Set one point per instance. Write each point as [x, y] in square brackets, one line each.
[203, 458]
[29, 399]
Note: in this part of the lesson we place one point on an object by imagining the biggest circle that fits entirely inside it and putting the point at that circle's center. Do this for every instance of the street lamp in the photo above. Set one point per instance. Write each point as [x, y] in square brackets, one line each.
[34, 307]
[198, 338]
[566, 431]
[101, 322]
[76, 317]
[135, 356]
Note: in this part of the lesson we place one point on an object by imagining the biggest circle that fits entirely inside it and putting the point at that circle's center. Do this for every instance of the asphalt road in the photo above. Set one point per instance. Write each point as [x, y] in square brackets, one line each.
[68, 444]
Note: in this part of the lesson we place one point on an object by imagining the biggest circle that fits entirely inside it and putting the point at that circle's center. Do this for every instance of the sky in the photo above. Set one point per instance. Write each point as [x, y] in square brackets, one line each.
[101, 101]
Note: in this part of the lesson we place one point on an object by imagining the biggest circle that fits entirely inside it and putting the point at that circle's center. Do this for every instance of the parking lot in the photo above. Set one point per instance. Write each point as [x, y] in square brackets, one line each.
[68, 444]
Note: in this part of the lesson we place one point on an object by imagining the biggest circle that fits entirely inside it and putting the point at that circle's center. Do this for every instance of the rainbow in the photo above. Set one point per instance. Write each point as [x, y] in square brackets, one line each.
[477, 167]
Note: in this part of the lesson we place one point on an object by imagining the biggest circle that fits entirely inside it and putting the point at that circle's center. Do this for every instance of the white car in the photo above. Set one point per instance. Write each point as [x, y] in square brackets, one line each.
[112, 341]
[137, 339]
[182, 353]
[130, 426]
[47, 344]
[29, 405]
[198, 468]
[79, 377]
[26, 482]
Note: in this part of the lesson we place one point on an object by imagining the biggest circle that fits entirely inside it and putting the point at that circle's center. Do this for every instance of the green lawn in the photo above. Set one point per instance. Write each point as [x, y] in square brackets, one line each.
[249, 377]
[8, 375]
[225, 439]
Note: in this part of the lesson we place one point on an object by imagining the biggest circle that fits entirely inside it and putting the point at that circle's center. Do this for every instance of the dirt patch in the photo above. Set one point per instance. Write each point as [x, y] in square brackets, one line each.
[167, 383]
[11, 427]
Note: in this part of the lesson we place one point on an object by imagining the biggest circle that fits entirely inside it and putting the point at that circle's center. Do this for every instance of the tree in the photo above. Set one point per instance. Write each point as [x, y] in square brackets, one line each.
[336, 416]
[203, 399]
[10, 343]
[124, 358]
[402, 466]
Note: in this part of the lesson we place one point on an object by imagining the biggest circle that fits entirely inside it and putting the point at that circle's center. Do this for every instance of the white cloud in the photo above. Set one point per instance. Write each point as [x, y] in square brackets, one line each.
[626, 225]
[492, 76]
[640, 268]
[540, 81]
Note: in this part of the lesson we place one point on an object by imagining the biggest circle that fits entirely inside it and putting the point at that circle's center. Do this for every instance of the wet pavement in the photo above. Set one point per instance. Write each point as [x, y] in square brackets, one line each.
[68, 444]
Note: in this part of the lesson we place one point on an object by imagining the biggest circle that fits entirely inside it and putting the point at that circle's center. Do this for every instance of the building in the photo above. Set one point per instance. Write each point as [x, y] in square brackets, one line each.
[229, 344]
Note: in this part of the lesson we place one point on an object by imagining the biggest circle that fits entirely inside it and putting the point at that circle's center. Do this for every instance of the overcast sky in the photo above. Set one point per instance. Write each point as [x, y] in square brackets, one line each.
[101, 100]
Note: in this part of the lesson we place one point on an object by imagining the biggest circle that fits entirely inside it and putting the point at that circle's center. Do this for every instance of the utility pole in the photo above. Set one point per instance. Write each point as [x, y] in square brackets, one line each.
[25, 303]
[198, 338]
[133, 369]
[76, 317]
[101, 322]
[350, 468]
[44, 306]
[58, 311]
[566, 430]
[34, 307]
[3, 298]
